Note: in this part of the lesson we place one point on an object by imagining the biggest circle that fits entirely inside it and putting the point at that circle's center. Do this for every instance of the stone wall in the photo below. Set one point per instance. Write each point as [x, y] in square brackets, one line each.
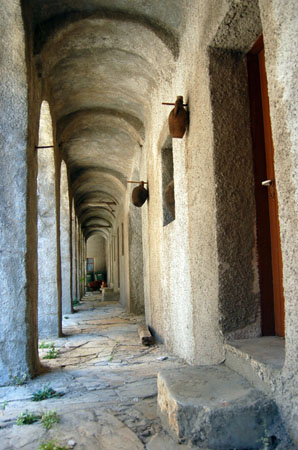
[135, 246]
[280, 29]
[181, 283]
[239, 297]
[96, 249]
[124, 249]
[201, 278]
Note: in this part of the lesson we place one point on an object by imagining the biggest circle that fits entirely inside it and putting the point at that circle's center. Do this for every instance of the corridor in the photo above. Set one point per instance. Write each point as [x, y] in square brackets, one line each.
[108, 381]
[149, 150]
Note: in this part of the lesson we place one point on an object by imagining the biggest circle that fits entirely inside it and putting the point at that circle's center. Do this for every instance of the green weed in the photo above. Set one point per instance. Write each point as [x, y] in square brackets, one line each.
[44, 393]
[49, 419]
[4, 404]
[52, 445]
[26, 418]
[46, 345]
[51, 354]
[20, 380]
[75, 301]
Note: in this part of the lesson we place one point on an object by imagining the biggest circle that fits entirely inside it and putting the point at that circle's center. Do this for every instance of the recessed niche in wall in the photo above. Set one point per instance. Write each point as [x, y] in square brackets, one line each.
[168, 191]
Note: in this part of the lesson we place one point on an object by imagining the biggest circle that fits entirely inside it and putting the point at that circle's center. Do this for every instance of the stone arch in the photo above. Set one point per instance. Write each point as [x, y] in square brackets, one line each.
[61, 25]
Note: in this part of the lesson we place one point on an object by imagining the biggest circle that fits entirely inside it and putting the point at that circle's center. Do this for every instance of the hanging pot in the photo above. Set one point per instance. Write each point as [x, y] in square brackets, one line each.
[178, 119]
[170, 197]
[139, 195]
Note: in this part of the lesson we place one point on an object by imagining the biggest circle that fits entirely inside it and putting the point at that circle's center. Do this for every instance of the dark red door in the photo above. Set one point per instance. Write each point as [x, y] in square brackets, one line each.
[268, 234]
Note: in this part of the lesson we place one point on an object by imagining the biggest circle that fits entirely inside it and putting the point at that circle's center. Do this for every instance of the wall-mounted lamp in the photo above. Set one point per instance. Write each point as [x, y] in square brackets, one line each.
[139, 194]
[178, 118]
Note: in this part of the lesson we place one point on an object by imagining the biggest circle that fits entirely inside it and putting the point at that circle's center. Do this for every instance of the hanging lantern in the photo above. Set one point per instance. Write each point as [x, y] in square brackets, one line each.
[139, 195]
[178, 119]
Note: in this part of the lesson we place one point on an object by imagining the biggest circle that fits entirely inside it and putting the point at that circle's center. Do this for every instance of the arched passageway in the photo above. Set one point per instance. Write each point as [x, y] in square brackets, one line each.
[85, 95]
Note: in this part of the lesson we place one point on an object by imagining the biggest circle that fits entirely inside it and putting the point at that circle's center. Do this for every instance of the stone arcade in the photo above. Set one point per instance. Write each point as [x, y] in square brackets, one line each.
[81, 88]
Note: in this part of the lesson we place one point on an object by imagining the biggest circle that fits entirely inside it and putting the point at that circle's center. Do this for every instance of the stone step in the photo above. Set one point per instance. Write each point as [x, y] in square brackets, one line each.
[214, 407]
[109, 294]
[259, 360]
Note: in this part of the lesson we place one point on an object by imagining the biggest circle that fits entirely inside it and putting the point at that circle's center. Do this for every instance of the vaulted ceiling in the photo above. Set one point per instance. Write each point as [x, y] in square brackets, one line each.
[100, 61]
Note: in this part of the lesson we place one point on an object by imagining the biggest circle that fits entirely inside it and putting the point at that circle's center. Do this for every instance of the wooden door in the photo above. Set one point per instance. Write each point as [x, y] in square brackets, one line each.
[268, 234]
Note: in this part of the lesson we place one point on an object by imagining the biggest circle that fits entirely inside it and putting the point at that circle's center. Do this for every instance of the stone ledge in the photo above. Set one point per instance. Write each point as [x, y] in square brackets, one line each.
[109, 294]
[259, 360]
[214, 407]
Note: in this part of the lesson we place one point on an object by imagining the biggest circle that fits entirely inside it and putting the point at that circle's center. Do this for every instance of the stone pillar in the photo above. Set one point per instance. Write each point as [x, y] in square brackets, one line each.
[17, 279]
[47, 239]
[108, 259]
[135, 249]
[65, 241]
[77, 275]
[110, 274]
[84, 255]
[74, 293]
[81, 264]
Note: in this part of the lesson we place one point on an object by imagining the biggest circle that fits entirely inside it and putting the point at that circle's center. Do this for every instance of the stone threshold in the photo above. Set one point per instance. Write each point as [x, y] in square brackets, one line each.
[213, 407]
[259, 360]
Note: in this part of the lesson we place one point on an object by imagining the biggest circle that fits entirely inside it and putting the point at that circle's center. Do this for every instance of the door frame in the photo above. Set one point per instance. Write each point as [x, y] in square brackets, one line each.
[268, 233]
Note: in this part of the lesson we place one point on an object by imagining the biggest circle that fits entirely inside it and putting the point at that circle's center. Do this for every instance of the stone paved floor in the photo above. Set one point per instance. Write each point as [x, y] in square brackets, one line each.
[108, 381]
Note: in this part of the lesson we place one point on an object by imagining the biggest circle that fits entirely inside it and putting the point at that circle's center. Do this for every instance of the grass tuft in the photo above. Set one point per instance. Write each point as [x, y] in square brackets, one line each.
[4, 404]
[20, 380]
[51, 354]
[45, 393]
[27, 418]
[49, 419]
[46, 345]
[52, 445]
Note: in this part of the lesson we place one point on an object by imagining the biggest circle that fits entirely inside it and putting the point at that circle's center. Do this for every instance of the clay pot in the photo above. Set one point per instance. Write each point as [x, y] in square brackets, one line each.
[139, 195]
[178, 119]
[170, 197]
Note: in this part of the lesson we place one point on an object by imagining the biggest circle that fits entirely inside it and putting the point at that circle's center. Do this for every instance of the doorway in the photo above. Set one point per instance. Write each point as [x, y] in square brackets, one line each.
[89, 265]
[268, 234]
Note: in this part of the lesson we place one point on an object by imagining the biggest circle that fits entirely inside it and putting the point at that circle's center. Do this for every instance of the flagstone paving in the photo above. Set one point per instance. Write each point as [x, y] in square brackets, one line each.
[107, 382]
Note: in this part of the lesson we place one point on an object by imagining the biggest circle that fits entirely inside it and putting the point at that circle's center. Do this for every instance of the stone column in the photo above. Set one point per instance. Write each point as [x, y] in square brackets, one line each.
[65, 241]
[47, 240]
[17, 278]
[135, 249]
[74, 293]
[84, 255]
[81, 264]
[77, 275]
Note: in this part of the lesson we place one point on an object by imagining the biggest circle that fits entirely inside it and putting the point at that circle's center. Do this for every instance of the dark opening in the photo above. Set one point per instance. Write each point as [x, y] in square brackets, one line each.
[168, 192]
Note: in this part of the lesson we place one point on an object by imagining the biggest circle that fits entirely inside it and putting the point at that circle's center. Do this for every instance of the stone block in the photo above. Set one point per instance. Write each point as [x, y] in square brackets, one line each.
[259, 360]
[215, 407]
[109, 294]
